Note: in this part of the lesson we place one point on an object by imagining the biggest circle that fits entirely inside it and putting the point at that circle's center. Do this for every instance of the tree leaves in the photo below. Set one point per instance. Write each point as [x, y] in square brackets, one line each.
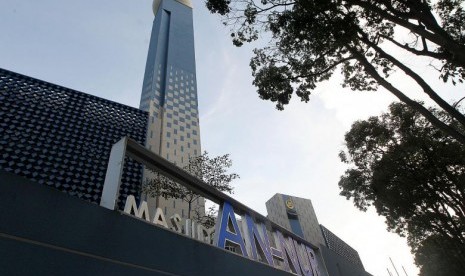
[211, 170]
[311, 40]
[412, 173]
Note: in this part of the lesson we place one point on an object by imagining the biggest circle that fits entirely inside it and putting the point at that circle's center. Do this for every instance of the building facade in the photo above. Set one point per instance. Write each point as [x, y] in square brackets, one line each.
[297, 215]
[169, 94]
[341, 255]
[62, 138]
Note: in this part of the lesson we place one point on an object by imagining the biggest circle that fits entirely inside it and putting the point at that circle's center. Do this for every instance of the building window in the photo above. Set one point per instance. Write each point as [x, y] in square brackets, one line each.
[168, 144]
[168, 134]
[194, 132]
[195, 142]
[182, 138]
[168, 124]
[175, 131]
[175, 141]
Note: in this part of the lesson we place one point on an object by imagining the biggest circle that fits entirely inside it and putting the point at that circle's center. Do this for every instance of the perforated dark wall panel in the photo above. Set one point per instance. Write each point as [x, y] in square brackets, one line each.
[62, 138]
[337, 245]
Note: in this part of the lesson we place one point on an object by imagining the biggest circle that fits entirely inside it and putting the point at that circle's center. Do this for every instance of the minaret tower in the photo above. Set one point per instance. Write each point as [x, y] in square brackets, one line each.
[169, 91]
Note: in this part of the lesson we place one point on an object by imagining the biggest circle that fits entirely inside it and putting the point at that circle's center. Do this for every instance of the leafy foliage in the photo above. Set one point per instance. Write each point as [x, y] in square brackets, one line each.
[311, 40]
[414, 175]
[435, 258]
[207, 219]
[213, 171]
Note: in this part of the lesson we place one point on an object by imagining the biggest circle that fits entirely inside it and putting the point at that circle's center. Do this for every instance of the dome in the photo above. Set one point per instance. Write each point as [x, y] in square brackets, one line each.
[156, 4]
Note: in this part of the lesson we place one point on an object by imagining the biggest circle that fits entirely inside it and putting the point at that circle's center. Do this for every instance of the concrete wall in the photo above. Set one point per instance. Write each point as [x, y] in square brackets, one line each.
[306, 216]
[47, 232]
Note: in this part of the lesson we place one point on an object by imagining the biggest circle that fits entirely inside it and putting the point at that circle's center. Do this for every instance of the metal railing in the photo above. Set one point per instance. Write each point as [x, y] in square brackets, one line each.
[128, 147]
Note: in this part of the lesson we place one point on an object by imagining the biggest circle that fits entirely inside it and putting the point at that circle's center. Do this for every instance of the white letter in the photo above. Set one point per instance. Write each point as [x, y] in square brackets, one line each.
[131, 206]
[203, 234]
[160, 218]
[175, 221]
[187, 227]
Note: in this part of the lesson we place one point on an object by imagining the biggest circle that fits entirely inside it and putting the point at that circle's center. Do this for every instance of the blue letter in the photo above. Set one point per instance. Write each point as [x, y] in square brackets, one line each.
[313, 261]
[288, 247]
[228, 229]
[304, 260]
[253, 236]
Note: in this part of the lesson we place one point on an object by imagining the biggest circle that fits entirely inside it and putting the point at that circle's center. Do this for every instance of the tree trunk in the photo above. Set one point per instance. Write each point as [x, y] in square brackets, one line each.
[454, 113]
[413, 104]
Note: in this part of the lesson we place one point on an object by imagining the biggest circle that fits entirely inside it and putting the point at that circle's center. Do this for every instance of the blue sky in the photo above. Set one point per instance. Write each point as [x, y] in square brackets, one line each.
[100, 47]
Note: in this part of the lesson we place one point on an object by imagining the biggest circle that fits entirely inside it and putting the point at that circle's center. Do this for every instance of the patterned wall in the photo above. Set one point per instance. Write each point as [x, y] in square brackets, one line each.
[62, 138]
[181, 119]
[337, 245]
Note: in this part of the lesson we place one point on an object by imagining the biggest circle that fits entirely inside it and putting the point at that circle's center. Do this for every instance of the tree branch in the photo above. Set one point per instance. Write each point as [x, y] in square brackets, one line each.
[415, 105]
[419, 80]
[435, 55]
[457, 50]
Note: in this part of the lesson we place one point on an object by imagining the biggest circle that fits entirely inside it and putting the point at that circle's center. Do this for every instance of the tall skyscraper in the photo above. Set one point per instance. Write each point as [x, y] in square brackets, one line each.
[169, 92]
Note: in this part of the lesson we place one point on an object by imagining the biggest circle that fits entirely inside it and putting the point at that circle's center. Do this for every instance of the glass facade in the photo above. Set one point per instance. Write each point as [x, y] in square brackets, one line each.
[169, 92]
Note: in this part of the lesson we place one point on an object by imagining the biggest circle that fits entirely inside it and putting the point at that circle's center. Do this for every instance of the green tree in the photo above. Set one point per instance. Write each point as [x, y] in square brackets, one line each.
[309, 40]
[413, 174]
[434, 259]
[207, 219]
[212, 170]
